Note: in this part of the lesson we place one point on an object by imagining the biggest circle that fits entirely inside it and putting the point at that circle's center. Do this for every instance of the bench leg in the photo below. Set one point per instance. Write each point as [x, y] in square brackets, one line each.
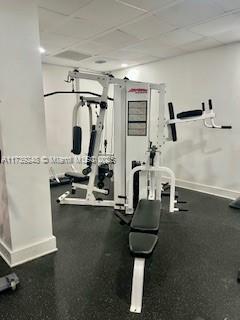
[137, 285]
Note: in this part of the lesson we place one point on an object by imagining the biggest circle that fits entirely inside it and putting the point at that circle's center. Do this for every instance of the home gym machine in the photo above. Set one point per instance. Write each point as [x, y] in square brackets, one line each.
[132, 109]
[135, 155]
[138, 174]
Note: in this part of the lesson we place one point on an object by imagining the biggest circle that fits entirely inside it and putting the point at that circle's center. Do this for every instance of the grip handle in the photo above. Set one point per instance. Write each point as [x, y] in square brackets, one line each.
[210, 104]
[172, 126]
[77, 140]
[91, 145]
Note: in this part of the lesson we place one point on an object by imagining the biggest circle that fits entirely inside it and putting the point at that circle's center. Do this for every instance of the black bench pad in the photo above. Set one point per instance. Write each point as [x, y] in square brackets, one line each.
[76, 177]
[147, 216]
[142, 244]
[189, 114]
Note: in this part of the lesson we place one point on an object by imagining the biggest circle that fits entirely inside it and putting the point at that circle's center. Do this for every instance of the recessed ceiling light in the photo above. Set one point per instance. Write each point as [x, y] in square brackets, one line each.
[100, 61]
[124, 65]
[42, 50]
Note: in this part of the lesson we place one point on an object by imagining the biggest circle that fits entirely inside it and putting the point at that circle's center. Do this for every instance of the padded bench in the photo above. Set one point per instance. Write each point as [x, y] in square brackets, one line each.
[76, 177]
[147, 216]
[142, 241]
[142, 244]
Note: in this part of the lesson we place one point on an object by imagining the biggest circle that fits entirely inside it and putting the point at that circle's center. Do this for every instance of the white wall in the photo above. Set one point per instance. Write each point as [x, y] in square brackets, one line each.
[59, 109]
[203, 159]
[25, 211]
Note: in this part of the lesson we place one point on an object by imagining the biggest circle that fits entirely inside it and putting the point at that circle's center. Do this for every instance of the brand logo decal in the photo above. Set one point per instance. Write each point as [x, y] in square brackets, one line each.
[138, 90]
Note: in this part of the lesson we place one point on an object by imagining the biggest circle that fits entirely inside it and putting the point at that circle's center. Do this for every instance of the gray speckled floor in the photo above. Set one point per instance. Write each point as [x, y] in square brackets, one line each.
[192, 274]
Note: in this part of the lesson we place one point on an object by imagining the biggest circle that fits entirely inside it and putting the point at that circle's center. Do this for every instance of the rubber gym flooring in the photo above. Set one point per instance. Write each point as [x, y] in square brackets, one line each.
[191, 276]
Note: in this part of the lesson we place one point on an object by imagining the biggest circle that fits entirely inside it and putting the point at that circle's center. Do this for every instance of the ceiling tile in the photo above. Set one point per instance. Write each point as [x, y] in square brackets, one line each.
[229, 36]
[110, 65]
[147, 59]
[147, 26]
[49, 20]
[63, 6]
[165, 52]
[72, 55]
[130, 57]
[93, 48]
[116, 39]
[127, 55]
[146, 46]
[219, 25]
[155, 47]
[53, 42]
[79, 28]
[148, 5]
[61, 62]
[190, 12]
[179, 37]
[202, 44]
[108, 12]
[141, 37]
[228, 4]
[90, 65]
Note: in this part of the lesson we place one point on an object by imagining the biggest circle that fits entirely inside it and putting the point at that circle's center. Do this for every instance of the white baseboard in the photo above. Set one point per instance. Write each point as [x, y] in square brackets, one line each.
[16, 257]
[216, 191]
[5, 252]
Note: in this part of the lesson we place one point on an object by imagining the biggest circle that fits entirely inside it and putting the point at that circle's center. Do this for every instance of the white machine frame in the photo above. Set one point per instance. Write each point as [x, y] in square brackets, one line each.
[137, 285]
[154, 187]
[120, 179]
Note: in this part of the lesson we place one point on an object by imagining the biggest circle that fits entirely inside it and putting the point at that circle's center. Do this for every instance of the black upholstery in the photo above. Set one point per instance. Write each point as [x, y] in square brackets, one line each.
[189, 114]
[147, 216]
[77, 140]
[76, 177]
[142, 244]
[91, 145]
[172, 125]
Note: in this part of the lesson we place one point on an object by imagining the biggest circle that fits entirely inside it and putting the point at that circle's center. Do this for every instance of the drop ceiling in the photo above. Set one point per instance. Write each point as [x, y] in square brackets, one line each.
[132, 32]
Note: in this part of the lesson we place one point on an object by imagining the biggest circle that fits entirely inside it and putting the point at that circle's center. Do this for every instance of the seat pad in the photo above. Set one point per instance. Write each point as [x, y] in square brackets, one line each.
[147, 216]
[142, 244]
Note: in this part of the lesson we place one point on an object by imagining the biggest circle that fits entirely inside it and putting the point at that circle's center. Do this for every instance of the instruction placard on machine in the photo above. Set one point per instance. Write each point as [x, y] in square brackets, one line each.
[137, 118]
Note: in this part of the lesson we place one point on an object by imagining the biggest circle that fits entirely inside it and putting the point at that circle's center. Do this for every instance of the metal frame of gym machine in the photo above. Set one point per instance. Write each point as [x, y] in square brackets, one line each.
[102, 100]
[122, 200]
[150, 170]
[187, 116]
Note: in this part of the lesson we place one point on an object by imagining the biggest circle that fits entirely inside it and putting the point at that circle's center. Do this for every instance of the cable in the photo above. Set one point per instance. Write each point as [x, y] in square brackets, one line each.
[75, 92]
